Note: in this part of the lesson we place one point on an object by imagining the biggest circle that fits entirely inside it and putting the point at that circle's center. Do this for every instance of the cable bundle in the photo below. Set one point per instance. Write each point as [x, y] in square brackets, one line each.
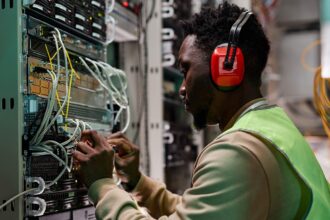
[321, 99]
[37, 145]
[321, 88]
[114, 81]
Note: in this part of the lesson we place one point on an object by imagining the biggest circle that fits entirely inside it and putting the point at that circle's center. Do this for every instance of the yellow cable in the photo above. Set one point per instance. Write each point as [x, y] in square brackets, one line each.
[51, 67]
[55, 53]
[70, 63]
[321, 100]
[50, 60]
[73, 72]
[303, 55]
[69, 98]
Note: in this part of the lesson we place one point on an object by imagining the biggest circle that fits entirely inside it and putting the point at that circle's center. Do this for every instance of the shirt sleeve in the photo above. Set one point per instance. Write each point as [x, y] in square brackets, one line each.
[153, 195]
[228, 183]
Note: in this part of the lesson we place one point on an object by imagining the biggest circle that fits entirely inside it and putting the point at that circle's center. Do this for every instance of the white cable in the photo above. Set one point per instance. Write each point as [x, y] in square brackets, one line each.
[88, 126]
[66, 87]
[111, 20]
[128, 120]
[46, 152]
[76, 133]
[116, 94]
[49, 107]
[44, 148]
[106, 80]
[66, 161]
[94, 75]
[46, 123]
[83, 125]
[111, 7]
[117, 115]
[16, 197]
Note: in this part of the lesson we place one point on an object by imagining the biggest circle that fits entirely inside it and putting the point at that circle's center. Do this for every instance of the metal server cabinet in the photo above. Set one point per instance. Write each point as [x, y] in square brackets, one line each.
[22, 23]
[11, 113]
[14, 59]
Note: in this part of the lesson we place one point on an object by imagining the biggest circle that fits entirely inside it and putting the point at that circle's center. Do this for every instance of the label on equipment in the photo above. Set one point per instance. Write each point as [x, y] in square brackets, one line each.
[80, 27]
[79, 16]
[96, 25]
[96, 35]
[98, 4]
[33, 106]
[38, 7]
[59, 17]
[61, 7]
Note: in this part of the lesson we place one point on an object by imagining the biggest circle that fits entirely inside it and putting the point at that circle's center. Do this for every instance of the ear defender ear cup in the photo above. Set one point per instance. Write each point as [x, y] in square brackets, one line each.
[223, 77]
[227, 60]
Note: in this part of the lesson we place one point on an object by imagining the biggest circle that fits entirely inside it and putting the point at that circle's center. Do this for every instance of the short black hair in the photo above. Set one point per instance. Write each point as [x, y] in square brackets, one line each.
[211, 27]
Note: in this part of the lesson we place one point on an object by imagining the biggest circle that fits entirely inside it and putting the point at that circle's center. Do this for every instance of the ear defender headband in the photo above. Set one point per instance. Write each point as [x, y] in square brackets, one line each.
[227, 61]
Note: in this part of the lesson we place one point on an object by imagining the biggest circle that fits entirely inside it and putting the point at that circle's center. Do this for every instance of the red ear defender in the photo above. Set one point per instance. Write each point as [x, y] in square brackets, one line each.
[223, 77]
[227, 61]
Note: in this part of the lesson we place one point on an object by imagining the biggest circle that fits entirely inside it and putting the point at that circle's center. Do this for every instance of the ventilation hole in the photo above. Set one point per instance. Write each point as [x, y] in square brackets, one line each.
[11, 3]
[4, 208]
[3, 4]
[12, 207]
[3, 103]
[12, 103]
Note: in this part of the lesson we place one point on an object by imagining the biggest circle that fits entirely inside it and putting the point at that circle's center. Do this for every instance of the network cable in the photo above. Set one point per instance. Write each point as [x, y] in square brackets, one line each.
[322, 99]
[107, 75]
[321, 88]
[40, 148]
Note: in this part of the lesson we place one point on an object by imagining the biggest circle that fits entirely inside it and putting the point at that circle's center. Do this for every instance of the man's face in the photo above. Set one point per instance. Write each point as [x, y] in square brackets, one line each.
[196, 89]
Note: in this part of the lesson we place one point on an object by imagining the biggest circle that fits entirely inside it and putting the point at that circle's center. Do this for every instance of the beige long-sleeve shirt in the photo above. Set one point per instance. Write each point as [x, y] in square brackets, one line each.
[229, 182]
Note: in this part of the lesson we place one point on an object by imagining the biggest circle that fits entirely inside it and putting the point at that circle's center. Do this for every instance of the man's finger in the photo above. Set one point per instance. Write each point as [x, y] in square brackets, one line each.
[119, 163]
[85, 148]
[95, 138]
[86, 136]
[79, 156]
[116, 135]
[121, 147]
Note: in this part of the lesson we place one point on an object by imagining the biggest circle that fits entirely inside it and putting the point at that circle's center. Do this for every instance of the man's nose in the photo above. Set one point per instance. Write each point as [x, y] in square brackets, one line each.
[182, 90]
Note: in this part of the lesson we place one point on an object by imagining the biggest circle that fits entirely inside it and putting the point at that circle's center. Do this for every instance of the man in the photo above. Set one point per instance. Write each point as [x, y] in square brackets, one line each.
[260, 167]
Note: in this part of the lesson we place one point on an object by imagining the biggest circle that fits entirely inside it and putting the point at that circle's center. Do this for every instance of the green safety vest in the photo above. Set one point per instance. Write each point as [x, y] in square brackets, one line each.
[273, 125]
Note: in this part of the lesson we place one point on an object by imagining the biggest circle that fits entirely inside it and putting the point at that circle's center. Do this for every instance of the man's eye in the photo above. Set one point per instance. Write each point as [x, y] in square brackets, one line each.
[183, 72]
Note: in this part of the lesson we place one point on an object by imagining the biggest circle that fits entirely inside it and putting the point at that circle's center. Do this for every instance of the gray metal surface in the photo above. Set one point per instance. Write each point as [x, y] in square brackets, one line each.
[11, 110]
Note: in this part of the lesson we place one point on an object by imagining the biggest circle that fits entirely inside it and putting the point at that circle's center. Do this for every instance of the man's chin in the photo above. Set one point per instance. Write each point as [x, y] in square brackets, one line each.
[200, 121]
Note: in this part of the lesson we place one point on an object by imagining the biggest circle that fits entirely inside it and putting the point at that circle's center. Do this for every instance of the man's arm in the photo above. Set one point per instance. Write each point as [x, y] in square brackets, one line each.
[228, 183]
[153, 195]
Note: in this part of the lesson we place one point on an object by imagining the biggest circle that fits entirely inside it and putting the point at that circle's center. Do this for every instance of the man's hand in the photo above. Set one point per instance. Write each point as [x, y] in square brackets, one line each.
[127, 160]
[95, 157]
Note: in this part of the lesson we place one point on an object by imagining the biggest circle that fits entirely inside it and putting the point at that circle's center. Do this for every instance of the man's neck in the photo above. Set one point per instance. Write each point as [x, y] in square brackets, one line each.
[234, 106]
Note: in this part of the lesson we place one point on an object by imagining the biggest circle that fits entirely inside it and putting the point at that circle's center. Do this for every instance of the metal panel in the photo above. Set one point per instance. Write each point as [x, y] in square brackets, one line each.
[11, 111]
[130, 62]
[150, 138]
[155, 95]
